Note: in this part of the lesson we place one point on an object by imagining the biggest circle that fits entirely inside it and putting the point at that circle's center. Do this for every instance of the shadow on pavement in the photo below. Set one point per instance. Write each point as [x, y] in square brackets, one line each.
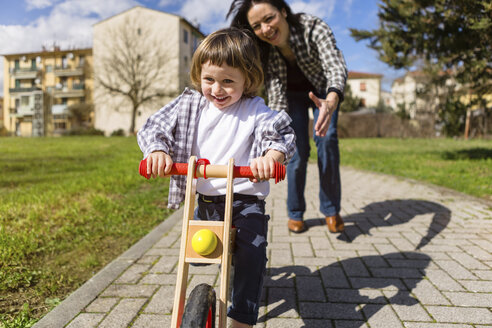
[346, 284]
[395, 212]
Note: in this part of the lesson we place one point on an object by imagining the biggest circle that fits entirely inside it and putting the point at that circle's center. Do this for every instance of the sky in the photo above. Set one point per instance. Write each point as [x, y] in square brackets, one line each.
[27, 25]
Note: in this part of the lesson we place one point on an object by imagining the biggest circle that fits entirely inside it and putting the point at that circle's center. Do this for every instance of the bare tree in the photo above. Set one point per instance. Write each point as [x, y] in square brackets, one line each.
[135, 64]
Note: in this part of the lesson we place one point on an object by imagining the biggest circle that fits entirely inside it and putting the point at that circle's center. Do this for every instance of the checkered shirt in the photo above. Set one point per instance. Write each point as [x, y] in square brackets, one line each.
[317, 56]
[172, 130]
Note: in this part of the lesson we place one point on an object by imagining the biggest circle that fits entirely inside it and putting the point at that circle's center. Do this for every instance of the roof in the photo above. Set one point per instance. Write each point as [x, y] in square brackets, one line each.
[362, 75]
[158, 11]
[44, 52]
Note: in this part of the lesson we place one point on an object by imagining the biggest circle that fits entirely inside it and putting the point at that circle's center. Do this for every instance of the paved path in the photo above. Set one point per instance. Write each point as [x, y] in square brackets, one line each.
[412, 255]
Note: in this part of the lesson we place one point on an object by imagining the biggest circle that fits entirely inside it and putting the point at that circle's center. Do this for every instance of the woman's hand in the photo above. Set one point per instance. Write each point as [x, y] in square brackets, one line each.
[326, 108]
[159, 164]
[263, 168]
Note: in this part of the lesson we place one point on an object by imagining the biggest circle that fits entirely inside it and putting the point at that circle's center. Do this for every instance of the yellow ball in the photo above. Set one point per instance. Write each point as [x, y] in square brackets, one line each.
[204, 242]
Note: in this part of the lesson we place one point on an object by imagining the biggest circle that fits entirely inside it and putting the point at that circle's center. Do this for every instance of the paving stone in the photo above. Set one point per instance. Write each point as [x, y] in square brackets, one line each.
[453, 314]
[482, 274]
[162, 301]
[349, 324]
[470, 299]
[102, 304]
[455, 270]
[468, 261]
[287, 323]
[280, 258]
[133, 274]
[442, 280]
[381, 316]
[282, 303]
[435, 325]
[426, 292]
[158, 279]
[302, 249]
[86, 320]
[477, 286]
[123, 313]
[334, 277]
[310, 289]
[316, 310]
[165, 265]
[120, 290]
[152, 321]
[339, 295]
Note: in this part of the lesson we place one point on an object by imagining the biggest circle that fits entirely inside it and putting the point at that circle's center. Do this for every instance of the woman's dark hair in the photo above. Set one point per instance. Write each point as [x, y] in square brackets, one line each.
[239, 13]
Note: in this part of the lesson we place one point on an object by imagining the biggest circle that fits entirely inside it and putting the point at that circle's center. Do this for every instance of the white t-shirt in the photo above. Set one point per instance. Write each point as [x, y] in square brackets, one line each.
[229, 133]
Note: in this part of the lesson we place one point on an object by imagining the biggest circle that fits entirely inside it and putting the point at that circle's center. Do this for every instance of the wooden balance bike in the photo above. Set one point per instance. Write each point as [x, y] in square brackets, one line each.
[198, 247]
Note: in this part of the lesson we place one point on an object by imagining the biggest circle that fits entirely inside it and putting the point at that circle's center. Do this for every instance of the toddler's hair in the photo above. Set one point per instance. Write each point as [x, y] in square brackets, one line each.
[233, 47]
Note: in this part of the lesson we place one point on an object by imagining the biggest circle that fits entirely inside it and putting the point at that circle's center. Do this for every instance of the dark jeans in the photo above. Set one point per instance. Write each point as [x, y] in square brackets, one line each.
[328, 160]
[249, 257]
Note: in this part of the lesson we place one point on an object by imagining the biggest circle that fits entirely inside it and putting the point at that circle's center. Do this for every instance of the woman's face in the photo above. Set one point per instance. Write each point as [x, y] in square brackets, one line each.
[269, 24]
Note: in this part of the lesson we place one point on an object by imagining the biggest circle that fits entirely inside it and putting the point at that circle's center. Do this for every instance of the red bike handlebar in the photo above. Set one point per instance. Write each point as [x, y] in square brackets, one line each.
[215, 171]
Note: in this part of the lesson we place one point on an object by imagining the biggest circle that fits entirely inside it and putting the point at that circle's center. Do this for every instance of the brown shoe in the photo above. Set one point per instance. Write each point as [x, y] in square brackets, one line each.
[335, 223]
[296, 226]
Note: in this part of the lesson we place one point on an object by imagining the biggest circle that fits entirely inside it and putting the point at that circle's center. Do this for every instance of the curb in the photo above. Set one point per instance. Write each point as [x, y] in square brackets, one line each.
[85, 294]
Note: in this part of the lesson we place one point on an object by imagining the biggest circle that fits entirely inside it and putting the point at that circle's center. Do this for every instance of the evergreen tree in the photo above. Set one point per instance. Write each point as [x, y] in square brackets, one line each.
[452, 36]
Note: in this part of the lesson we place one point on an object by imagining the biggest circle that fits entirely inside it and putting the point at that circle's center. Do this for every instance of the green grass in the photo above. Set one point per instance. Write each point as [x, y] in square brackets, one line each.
[68, 206]
[465, 166]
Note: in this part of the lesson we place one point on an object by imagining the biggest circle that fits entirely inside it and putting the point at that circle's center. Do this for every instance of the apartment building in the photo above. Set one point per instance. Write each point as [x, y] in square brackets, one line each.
[366, 86]
[40, 86]
[170, 39]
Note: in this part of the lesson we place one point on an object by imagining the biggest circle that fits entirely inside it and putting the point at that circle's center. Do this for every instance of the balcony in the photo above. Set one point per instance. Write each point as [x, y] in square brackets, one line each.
[25, 111]
[24, 73]
[19, 89]
[77, 91]
[69, 71]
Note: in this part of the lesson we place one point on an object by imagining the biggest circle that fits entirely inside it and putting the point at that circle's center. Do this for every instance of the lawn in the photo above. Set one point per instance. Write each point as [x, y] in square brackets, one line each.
[69, 206]
[462, 165]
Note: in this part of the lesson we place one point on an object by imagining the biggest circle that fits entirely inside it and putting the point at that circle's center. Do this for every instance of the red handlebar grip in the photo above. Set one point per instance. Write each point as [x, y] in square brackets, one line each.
[239, 171]
[176, 169]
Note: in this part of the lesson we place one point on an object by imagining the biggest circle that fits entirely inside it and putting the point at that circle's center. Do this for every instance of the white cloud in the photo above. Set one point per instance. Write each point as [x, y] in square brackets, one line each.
[321, 8]
[39, 4]
[209, 13]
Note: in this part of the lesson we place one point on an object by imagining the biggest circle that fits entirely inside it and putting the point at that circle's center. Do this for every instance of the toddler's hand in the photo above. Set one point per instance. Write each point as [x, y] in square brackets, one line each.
[159, 164]
[262, 168]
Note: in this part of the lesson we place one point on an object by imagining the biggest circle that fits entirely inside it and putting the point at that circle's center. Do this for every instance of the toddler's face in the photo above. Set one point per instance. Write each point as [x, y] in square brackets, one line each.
[222, 85]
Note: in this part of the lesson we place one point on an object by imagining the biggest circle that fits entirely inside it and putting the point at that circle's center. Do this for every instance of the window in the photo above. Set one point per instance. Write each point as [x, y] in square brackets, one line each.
[81, 60]
[363, 86]
[33, 63]
[139, 31]
[363, 102]
[64, 62]
[24, 100]
[17, 64]
[49, 68]
[185, 36]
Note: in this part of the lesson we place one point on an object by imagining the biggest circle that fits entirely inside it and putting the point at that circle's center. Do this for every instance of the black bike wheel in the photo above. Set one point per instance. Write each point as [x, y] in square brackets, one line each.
[199, 311]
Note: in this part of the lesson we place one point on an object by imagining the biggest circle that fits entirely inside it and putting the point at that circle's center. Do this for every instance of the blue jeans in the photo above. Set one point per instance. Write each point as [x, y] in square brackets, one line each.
[328, 160]
[249, 257]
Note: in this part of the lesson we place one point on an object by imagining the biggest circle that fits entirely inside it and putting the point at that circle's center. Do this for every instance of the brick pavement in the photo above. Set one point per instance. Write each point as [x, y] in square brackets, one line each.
[412, 255]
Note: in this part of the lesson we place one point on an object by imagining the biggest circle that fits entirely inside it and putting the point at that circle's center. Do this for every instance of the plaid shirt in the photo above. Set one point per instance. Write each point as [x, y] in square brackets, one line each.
[172, 130]
[317, 56]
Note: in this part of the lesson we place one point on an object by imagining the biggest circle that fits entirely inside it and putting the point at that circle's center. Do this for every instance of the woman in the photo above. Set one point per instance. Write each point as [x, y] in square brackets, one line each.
[302, 66]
